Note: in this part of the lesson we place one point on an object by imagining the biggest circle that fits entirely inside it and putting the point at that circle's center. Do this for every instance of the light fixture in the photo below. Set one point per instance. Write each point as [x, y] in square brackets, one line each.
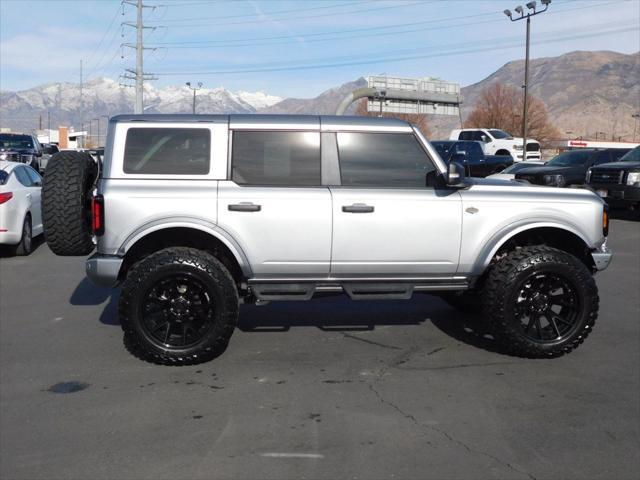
[507, 13]
[545, 2]
[531, 5]
[518, 9]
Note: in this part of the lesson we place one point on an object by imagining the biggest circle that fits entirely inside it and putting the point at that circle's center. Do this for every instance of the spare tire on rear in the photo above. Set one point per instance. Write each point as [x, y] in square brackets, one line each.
[66, 203]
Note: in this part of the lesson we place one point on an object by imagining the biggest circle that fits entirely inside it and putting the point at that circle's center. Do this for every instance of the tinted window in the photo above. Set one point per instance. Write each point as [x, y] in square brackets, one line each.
[22, 176]
[276, 158]
[4, 176]
[443, 149]
[33, 175]
[632, 156]
[603, 156]
[618, 153]
[466, 136]
[9, 141]
[382, 160]
[499, 134]
[571, 158]
[168, 151]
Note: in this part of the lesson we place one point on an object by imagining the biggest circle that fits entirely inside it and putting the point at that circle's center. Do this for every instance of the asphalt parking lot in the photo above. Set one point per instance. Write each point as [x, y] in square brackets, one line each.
[327, 389]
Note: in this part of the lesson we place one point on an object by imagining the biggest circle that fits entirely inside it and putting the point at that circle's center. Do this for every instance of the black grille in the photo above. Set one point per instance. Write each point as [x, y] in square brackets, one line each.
[606, 176]
[533, 147]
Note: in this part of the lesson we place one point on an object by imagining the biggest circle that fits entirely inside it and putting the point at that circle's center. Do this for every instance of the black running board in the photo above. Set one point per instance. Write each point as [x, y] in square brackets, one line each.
[272, 290]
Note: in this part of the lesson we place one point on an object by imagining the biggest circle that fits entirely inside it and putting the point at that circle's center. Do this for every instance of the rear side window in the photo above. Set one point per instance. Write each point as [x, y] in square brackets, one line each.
[22, 176]
[382, 160]
[33, 175]
[4, 176]
[167, 151]
[276, 158]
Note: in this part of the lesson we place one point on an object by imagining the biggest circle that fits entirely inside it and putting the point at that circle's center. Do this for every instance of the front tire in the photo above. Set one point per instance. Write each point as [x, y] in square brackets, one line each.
[540, 302]
[178, 306]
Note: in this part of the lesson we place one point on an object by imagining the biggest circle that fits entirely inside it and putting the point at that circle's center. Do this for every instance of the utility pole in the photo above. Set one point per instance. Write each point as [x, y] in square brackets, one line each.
[48, 126]
[138, 74]
[635, 117]
[195, 89]
[532, 7]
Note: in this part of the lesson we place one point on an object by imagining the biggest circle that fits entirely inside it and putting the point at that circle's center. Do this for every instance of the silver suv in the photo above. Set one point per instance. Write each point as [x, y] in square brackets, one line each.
[193, 215]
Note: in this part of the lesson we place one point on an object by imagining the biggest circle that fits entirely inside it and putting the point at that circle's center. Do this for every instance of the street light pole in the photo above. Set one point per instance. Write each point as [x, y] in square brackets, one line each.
[195, 89]
[532, 7]
[635, 117]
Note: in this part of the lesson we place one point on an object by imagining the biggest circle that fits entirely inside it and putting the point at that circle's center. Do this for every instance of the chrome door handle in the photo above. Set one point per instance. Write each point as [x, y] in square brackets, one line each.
[358, 208]
[245, 207]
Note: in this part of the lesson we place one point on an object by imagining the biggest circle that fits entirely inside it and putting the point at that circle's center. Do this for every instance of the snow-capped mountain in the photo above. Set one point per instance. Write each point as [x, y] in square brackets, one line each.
[105, 97]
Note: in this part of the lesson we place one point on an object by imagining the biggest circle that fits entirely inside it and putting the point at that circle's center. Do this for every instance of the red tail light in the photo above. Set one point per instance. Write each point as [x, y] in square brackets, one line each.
[5, 197]
[97, 214]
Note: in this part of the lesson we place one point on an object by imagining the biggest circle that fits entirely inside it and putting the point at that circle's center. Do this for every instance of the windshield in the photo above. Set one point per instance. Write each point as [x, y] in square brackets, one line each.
[571, 159]
[516, 167]
[15, 141]
[499, 134]
[632, 156]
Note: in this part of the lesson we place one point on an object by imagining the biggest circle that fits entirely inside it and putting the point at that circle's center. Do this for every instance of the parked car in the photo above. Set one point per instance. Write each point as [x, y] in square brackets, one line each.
[509, 173]
[194, 214]
[499, 142]
[48, 149]
[570, 167]
[618, 182]
[20, 147]
[471, 156]
[20, 210]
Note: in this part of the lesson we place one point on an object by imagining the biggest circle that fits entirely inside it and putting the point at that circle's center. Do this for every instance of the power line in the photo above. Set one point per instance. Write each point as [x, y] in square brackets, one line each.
[499, 46]
[302, 17]
[279, 12]
[370, 32]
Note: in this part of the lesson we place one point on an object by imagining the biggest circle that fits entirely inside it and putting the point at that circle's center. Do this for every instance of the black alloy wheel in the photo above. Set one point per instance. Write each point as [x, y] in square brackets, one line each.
[547, 308]
[178, 311]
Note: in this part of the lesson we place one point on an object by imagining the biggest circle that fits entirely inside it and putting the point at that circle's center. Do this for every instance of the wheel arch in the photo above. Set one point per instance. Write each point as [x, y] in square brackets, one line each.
[503, 151]
[561, 236]
[184, 233]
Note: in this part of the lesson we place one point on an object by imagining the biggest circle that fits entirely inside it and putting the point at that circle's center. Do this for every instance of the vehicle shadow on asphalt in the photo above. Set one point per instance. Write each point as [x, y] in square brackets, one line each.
[336, 313]
[86, 293]
[339, 313]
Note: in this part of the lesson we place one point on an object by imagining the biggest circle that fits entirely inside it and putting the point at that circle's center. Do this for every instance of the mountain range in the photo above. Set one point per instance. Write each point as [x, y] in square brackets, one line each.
[585, 93]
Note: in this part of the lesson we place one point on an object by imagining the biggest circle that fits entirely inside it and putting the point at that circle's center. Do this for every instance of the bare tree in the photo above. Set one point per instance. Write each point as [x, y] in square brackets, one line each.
[419, 120]
[500, 106]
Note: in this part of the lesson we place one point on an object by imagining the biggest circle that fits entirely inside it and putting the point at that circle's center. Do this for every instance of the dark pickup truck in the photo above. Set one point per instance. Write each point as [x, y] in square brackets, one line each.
[570, 167]
[618, 183]
[472, 157]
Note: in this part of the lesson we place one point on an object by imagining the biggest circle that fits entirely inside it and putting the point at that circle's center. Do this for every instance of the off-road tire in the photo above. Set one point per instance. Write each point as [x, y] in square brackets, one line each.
[202, 266]
[502, 288]
[25, 247]
[66, 203]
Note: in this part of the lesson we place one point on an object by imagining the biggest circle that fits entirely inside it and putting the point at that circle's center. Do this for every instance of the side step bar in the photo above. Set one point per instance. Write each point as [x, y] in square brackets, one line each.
[272, 290]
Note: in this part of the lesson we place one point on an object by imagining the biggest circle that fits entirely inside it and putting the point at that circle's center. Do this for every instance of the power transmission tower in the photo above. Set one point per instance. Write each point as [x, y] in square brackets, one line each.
[138, 74]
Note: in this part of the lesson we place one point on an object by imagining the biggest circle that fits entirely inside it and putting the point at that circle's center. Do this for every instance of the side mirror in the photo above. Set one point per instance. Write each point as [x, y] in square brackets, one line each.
[455, 177]
[485, 139]
[460, 156]
[38, 153]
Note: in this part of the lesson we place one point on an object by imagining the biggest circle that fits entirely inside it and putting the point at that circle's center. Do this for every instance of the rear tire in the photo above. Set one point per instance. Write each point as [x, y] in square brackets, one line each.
[66, 197]
[540, 302]
[178, 306]
[25, 246]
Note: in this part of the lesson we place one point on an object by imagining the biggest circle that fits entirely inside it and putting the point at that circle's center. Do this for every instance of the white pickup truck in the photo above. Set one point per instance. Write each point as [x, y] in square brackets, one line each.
[499, 142]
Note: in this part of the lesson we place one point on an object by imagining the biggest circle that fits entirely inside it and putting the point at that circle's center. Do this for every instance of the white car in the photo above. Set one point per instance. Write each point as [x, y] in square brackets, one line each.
[20, 210]
[509, 173]
[499, 142]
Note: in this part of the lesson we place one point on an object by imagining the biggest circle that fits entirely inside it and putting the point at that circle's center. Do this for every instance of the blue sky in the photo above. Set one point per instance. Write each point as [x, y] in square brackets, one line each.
[296, 48]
